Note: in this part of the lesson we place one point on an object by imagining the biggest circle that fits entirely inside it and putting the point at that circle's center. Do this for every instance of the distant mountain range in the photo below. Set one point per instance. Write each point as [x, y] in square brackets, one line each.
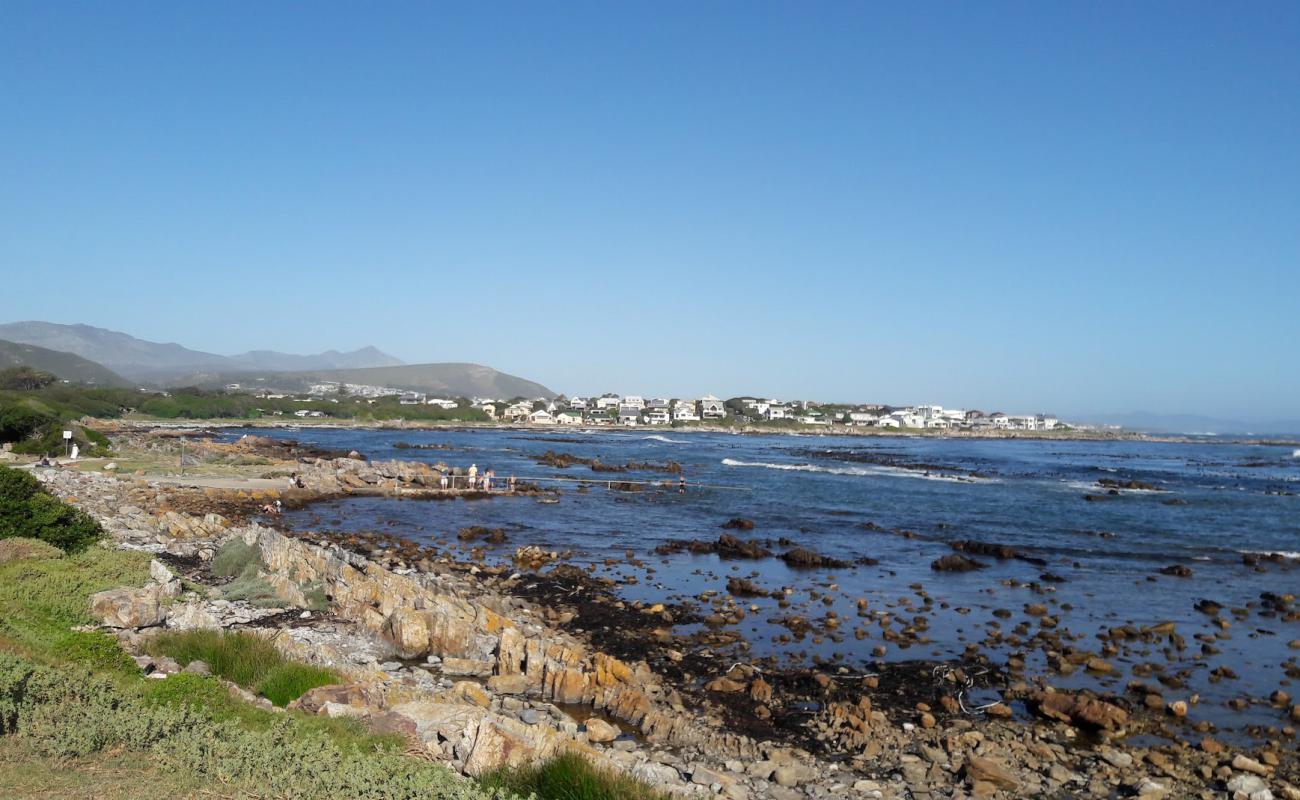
[1152, 422]
[156, 362]
[123, 357]
[66, 366]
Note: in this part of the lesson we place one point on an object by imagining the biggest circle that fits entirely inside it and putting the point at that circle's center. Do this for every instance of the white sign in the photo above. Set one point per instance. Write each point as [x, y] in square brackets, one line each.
[67, 434]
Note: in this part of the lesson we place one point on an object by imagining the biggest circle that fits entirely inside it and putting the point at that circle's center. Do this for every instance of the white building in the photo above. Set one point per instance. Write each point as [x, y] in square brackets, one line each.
[684, 411]
[711, 407]
[442, 402]
[541, 417]
[608, 402]
[569, 417]
[862, 418]
[629, 416]
[658, 416]
[632, 401]
[578, 404]
[412, 399]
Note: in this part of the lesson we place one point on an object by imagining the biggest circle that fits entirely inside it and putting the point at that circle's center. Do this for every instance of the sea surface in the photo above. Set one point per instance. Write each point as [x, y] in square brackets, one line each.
[1215, 502]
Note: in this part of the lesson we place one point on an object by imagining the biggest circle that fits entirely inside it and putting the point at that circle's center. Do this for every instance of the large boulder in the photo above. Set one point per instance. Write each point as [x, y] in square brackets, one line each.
[498, 746]
[129, 607]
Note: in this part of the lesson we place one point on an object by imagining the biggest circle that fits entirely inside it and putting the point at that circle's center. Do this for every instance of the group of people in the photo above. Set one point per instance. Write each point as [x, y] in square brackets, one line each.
[473, 479]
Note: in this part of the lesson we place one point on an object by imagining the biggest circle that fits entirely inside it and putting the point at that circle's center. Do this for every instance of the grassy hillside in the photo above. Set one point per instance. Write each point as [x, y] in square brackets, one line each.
[66, 366]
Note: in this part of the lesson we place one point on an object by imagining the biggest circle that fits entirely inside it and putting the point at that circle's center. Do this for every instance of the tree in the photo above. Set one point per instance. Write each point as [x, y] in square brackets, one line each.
[26, 379]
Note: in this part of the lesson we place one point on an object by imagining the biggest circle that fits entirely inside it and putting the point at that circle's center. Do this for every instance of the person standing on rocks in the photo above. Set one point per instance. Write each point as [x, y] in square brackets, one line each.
[442, 481]
[473, 476]
[487, 480]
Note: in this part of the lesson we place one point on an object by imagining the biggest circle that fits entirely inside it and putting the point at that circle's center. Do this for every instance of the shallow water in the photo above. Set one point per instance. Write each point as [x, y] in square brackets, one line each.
[818, 490]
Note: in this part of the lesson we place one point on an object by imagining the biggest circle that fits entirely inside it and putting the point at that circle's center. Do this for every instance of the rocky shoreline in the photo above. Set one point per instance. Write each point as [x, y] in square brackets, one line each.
[126, 425]
[486, 665]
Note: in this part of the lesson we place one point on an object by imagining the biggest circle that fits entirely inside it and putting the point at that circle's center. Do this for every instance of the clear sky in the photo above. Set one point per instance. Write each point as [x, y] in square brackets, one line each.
[1028, 206]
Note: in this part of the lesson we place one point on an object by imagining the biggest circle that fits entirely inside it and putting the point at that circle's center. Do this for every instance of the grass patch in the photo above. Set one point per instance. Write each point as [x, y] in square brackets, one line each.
[243, 562]
[571, 777]
[42, 599]
[245, 659]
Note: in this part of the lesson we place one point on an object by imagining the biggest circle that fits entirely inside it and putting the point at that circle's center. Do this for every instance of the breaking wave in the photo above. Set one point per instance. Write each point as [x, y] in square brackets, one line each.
[895, 472]
[1281, 553]
[655, 437]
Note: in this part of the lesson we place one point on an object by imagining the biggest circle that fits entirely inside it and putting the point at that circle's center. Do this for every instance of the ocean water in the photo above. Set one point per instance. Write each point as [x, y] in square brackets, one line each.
[1215, 503]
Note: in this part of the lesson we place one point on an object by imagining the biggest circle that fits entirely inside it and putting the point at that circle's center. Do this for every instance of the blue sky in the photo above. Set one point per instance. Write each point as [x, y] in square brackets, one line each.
[1029, 206]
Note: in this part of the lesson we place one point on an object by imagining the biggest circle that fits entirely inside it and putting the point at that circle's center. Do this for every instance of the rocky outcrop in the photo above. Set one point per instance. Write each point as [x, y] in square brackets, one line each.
[144, 607]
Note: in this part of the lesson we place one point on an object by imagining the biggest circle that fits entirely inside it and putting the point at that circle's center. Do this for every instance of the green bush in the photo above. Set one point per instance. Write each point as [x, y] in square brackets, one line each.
[245, 659]
[27, 511]
[571, 777]
[19, 422]
[235, 557]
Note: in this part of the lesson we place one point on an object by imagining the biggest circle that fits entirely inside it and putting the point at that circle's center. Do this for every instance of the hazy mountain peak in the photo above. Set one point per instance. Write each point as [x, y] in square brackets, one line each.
[156, 361]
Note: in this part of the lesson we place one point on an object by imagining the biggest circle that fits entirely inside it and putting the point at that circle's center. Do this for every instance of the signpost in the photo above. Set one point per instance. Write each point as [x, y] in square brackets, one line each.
[67, 442]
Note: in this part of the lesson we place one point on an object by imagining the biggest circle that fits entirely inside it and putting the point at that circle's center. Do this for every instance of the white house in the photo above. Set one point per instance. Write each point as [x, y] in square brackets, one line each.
[658, 416]
[1047, 422]
[608, 402]
[711, 407]
[632, 401]
[776, 412]
[442, 402]
[307, 412]
[541, 417]
[487, 408]
[578, 404]
[411, 399]
[657, 402]
[889, 421]
[569, 417]
[862, 418]
[684, 411]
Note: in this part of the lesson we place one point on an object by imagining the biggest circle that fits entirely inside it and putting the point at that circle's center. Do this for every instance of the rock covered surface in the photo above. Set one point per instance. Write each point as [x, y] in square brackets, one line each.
[480, 679]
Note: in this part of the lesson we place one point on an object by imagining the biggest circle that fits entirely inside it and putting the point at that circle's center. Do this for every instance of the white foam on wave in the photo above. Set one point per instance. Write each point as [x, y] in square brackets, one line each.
[894, 472]
[655, 437]
[1282, 553]
[1295, 453]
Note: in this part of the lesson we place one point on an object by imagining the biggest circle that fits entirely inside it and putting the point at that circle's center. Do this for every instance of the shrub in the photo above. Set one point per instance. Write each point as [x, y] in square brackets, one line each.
[234, 557]
[569, 776]
[248, 660]
[28, 512]
[73, 713]
[20, 548]
[18, 422]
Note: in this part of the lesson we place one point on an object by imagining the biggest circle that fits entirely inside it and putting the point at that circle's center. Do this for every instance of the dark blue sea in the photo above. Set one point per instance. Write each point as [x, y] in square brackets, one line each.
[1211, 504]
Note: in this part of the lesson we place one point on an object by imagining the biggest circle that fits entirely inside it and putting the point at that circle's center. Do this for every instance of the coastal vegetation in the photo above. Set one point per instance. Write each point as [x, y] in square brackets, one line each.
[78, 718]
[247, 660]
[27, 511]
[571, 777]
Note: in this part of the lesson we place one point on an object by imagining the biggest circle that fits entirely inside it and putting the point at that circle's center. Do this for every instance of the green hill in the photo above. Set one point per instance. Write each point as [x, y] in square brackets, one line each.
[66, 366]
